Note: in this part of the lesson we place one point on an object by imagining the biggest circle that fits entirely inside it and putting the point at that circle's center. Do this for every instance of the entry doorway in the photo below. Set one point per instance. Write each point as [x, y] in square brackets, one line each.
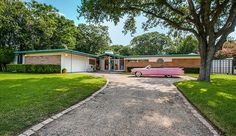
[110, 64]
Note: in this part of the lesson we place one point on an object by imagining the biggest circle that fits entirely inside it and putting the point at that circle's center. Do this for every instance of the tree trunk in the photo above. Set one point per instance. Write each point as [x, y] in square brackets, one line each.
[207, 56]
[205, 71]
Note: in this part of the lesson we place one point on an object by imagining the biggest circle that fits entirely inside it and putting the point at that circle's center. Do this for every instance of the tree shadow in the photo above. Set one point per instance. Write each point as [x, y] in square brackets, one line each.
[217, 100]
[24, 102]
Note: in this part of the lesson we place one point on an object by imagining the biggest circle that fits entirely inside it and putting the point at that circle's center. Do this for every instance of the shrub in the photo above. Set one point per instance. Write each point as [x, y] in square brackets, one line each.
[192, 70]
[64, 70]
[6, 56]
[34, 68]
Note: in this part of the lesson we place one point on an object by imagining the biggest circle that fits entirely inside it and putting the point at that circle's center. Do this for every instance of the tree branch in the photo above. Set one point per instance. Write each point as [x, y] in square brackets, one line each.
[195, 16]
[219, 10]
[170, 22]
[230, 23]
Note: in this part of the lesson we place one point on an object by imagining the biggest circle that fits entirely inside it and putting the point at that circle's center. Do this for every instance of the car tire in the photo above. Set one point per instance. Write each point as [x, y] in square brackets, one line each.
[138, 74]
[168, 76]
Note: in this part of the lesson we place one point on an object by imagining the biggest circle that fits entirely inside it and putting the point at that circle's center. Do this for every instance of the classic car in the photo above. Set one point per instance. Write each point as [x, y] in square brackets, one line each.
[148, 71]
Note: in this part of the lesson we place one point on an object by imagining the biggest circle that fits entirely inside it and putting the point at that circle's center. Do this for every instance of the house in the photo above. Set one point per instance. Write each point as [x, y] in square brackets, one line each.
[75, 61]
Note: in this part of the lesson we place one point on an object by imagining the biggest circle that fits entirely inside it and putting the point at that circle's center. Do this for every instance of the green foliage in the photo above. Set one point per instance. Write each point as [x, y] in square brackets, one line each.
[122, 50]
[31, 25]
[182, 44]
[188, 45]
[6, 56]
[216, 100]
[27, 99]
[92, 38]
[116, 48]
[192, 70]
[126, 51]
[150, 43]
[33, 68]
[155, 43]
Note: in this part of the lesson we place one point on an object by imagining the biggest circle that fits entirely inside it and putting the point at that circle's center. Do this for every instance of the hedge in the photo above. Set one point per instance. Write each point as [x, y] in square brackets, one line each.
[192, 70]
[34, 68]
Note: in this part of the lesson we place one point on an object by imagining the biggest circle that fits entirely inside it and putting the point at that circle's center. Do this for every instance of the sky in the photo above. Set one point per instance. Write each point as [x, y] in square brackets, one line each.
[68, 8]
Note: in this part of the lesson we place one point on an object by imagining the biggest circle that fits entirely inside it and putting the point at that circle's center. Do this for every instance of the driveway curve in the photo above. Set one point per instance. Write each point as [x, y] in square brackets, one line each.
[130, 106]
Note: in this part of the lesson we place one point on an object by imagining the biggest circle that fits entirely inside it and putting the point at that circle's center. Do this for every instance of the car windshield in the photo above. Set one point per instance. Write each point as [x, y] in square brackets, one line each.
[148, 67]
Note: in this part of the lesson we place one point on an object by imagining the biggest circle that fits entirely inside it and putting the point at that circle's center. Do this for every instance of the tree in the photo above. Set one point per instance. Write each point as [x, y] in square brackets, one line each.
[13, 24]
[211, 21]
[188, 45]
[49, 29]
[126, 51]
[64, 36]
[228, 50]
[116, 48]
[31, 25]
[150, 43]
[6, 56]
[92, 38]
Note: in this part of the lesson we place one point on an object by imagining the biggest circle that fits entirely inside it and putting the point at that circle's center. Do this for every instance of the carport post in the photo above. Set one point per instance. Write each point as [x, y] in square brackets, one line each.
[71, 62]
[109, 63]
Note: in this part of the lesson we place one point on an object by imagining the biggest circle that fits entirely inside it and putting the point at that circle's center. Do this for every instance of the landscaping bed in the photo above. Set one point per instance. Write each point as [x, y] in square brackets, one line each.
[27, 99]
[216, 100]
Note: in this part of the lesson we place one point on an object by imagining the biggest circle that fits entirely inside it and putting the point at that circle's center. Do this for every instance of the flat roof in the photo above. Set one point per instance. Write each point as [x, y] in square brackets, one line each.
[163, 55]
[104, 54]
[109, 54]
[56, 50]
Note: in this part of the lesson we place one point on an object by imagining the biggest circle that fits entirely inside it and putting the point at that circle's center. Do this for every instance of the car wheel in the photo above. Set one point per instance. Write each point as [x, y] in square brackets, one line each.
[138, 74]
[168, 76]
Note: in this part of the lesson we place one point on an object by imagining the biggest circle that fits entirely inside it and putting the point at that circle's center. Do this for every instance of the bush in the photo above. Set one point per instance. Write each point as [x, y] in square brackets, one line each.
[6, 56]
[34, 68]
[192, 70]
[64, 70]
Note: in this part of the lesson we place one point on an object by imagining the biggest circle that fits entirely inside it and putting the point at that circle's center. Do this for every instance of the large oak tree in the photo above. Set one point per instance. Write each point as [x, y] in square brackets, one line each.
[92, 38]
[211, 21]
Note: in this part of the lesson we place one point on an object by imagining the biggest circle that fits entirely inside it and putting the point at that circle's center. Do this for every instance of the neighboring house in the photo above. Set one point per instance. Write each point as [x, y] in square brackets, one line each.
[75, 61]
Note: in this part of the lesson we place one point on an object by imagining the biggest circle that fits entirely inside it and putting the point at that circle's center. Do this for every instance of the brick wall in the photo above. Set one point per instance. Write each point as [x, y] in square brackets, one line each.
[47, 59]
[184, 63]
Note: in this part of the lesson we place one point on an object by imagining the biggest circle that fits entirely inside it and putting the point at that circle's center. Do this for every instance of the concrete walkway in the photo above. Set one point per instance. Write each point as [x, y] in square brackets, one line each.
[130, 106]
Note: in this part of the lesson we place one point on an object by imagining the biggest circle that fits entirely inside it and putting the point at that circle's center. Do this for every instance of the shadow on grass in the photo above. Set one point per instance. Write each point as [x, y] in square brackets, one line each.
[216, 100]
[27, 101]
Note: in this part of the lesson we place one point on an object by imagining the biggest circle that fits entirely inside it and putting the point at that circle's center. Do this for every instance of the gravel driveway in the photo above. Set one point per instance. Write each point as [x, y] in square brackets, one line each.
[130, 106]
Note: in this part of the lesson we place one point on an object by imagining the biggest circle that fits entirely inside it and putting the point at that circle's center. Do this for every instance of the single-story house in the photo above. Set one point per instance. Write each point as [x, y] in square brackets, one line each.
[75, 61]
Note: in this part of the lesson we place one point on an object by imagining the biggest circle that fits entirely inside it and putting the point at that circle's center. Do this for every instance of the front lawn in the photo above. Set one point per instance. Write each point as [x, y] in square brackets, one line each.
[216, 100]
[26, 99]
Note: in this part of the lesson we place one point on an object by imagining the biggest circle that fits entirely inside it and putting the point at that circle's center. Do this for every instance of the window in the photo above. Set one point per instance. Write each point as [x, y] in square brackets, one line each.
[139, 60]
[132, 60]
[160, 61]
[92, 61]
[143, 60]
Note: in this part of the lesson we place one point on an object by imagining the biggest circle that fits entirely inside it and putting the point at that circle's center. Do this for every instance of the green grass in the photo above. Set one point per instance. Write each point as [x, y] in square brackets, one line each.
[192, 75]
[26, 99]
[216, 100]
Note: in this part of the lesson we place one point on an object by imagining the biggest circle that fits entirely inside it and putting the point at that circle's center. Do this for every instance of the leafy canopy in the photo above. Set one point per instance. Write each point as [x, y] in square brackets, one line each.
[150, 43]
[31, 25]
[92, 38]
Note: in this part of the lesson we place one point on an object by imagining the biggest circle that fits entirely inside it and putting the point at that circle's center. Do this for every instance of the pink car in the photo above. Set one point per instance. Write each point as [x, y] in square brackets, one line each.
[148, 71]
